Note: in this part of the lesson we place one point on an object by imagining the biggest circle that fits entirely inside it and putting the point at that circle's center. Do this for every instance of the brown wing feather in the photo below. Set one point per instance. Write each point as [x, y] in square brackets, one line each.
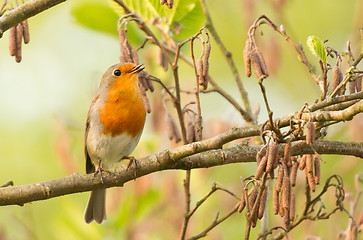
[90, 168]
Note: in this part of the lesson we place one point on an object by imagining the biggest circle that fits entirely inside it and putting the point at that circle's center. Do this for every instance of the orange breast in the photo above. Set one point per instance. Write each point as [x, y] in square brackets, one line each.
[124, 111]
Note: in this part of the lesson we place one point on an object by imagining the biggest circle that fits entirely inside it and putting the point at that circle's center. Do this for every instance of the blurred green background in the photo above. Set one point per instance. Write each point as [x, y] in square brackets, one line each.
[44, 102]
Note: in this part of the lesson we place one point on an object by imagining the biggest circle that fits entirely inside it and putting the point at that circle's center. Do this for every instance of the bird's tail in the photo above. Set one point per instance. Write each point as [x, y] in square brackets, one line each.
[96, 207]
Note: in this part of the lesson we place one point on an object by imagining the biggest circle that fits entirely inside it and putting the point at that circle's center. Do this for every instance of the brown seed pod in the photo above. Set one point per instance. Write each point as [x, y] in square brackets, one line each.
[261, 208]
[287, 156]
[26, 35]
[12, 41]
[172, 129]
[242, 203]
[263, 63]
[302, 162]
[309, 172]
[272, 156]
[261, 167]
[275, 200]
[280, 175]
[292, 206]
[247, 57]
[293, 173]
[256, 63]
[19, 37]
[359, 83]
[310, 133]
[316, 170]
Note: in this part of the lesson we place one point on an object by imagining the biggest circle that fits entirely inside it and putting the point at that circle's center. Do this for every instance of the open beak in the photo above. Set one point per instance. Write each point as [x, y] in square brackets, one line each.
[137, 69]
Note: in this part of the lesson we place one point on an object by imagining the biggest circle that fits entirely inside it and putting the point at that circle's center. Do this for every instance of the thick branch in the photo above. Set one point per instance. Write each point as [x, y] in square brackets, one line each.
[177, 158]
[25, 11]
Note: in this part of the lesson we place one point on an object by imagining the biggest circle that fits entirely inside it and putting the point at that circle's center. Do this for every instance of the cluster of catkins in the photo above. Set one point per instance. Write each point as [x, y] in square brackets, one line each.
[252, 55]
[128, 54]
[16, 35]
[283, 197]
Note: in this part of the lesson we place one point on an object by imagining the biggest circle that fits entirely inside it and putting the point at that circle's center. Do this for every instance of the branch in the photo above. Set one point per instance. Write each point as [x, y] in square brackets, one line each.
[25, 11]
[183, 157]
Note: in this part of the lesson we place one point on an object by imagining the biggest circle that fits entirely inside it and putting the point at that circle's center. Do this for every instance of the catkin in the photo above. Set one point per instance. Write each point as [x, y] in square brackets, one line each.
[26, 35]
[310, 133]
[337, 77]
[12, 41]
[280, 176]
[256, 63]
[262, 59]
[309, 172]
[259, 156]
[316, 170]
[302, 162]
[287, 156]
[171, 129]
[293, 173]
[275, 200]
[247, 57]
[145, 100]
[262, 206]
[200, 70]
[161, 59]
[292, 206]
[242, 203]
[142, 80]
[252, 200]
[286, 218]
[206, 55]
[261, 167]
[272, 157]
[19, 36]
[286, 192]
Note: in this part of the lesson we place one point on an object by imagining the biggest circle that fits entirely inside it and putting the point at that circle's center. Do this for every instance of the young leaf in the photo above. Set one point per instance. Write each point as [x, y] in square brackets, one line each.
[317, 47]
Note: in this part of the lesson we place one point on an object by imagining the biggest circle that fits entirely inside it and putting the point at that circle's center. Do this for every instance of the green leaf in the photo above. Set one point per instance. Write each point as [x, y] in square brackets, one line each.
[317, 47]
[97, 16]
[185, 13]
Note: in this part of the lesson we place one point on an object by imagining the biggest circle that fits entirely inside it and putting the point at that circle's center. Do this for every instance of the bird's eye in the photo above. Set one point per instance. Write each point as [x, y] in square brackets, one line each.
[117, 72]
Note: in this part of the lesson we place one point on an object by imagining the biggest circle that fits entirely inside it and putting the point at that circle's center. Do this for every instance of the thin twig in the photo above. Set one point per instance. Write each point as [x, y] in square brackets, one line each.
[215, 223]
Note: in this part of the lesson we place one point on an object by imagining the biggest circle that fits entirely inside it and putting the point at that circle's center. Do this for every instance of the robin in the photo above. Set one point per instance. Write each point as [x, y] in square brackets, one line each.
[114, 125]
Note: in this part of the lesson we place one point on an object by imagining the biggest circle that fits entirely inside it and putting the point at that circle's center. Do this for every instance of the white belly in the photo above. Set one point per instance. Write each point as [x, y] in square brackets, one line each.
[108, 149]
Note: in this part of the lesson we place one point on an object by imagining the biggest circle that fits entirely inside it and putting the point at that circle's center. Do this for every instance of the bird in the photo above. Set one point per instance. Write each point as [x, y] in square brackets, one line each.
[114, 125]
